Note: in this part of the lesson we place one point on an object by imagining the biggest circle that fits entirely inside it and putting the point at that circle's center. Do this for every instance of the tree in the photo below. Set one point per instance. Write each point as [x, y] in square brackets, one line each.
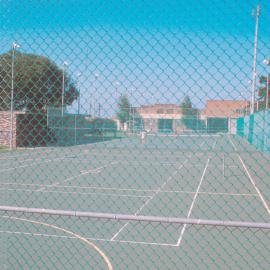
[262, 92]
[123, 109]
[186, 104]
[37, 83]
[189, 114]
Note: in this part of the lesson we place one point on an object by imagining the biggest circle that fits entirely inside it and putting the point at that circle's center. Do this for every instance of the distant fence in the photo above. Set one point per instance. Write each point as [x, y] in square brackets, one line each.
[255, 129]
[72, 129]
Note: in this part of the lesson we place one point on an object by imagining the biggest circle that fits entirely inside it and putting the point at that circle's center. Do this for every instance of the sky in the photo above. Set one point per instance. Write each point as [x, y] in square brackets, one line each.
[153, 51]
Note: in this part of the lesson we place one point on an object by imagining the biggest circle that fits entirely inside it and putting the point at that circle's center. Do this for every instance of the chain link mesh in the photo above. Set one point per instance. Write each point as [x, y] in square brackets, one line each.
[148, 122]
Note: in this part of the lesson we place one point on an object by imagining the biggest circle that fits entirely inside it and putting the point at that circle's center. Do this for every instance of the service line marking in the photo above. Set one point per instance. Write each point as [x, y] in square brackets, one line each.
[151, 198]
[76, 176]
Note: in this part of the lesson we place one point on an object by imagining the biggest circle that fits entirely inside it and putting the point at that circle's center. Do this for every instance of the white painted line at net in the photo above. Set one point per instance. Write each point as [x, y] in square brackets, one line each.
[251, 179]
[120, 190]
[192, 204]
[88, 238]
[151, 198]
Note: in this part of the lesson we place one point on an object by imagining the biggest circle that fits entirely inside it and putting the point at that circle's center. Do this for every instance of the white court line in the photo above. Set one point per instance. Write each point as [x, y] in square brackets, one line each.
[44, 150]
[202, 144]
[88, 238]
[76, 176]
[151, 198]
[44, 161]
[78, 193]
[214, 144]
[27, 152]
[223, 165]
[47, 150]
[251, 179]
[123, 189]
[184, 135]
[28, 165]
[192, 204]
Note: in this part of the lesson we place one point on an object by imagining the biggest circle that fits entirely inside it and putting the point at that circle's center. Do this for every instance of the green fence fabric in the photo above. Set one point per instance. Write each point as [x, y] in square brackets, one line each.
[256, 129]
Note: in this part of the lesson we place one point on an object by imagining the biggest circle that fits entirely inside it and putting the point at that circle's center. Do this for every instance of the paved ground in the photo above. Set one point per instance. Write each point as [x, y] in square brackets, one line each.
[206, 177]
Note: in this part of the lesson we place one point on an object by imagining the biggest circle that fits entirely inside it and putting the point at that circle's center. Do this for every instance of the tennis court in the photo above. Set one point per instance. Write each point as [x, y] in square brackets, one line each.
[135, 135]
[199, 176]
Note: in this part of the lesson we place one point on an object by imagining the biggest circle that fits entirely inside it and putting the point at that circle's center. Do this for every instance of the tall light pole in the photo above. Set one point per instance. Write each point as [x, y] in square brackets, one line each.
[267, 63]
[78, 85]
[117, 85]
[132, 110]
[254, 70]
[65, 64]
[95, 86]
[14, 47]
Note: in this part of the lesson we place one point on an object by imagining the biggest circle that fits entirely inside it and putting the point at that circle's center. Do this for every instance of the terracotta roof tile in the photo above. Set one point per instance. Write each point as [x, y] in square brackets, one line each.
[225, 108]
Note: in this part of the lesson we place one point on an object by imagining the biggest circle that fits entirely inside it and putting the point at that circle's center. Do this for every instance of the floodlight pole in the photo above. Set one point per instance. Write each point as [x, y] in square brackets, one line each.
[117, 85]
[267, 92]
[78, 85]
[129, 112]
[95, 100]
[132, 110]
[14, 47]
[63, 87]
[254, 70]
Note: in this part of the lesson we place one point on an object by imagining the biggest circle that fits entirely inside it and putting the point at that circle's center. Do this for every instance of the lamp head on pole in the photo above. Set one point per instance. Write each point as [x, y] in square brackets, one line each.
[15, 46]
[256, 12]
[96, 75]
[266, 62]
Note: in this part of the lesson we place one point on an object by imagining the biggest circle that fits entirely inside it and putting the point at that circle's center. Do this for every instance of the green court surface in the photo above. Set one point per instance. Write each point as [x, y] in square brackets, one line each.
[217, 177]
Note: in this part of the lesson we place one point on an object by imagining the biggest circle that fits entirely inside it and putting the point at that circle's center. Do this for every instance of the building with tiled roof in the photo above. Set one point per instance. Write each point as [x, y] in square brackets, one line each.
[221, 115]
[225, 108]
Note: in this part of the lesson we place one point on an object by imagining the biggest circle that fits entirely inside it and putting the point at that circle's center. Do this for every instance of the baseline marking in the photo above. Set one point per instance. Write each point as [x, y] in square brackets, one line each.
[78, 193]
[89, 238]
[120, 190]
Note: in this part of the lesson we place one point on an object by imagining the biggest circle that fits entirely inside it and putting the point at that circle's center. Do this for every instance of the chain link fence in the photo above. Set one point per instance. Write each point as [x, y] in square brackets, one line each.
[134, 135]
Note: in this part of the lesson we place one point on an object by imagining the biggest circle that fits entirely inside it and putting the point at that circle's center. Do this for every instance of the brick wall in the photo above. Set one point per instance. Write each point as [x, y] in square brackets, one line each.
[5, 128]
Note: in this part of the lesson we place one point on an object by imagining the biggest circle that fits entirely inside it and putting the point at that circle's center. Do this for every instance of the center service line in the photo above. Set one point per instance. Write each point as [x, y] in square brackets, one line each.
[192, 204]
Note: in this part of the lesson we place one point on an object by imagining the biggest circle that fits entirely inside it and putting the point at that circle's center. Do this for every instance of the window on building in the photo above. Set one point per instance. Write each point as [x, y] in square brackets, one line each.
[170, 111]
[160, 111]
